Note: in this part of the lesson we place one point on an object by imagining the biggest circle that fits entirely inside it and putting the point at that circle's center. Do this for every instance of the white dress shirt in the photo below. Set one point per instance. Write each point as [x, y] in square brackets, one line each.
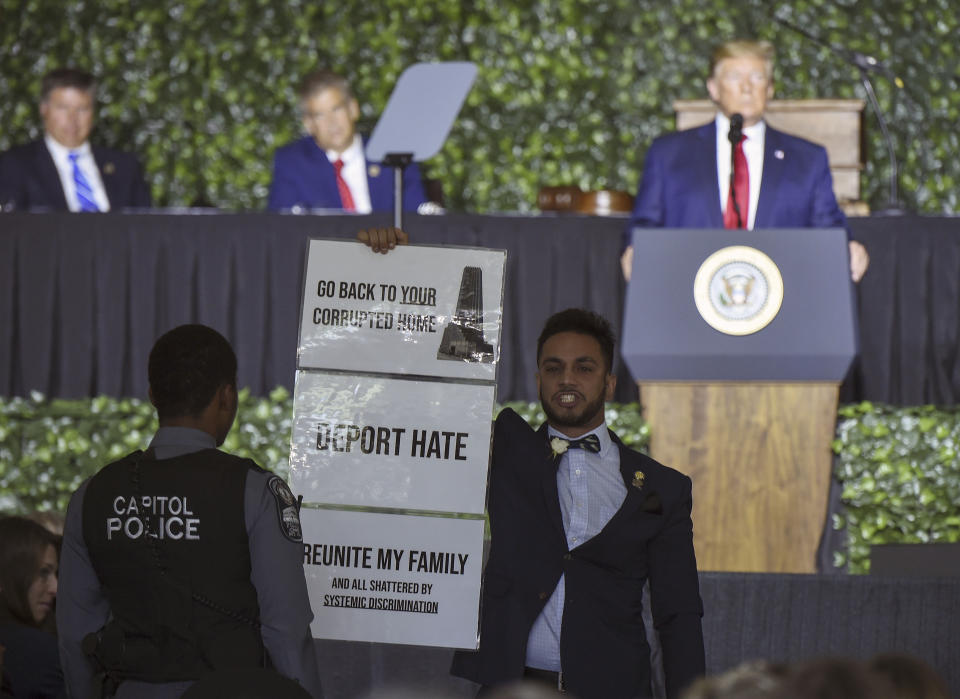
[753, 150]
[87, 165]
[355, 173]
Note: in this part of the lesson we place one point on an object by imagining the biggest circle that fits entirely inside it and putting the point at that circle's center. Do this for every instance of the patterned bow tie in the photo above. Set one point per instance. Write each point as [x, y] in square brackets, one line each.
[589, 443]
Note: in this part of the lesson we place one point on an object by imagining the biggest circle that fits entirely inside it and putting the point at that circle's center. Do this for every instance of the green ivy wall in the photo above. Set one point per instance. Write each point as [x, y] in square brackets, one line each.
[900, 470]
[49, 447]
[567, 91]
[899, 466]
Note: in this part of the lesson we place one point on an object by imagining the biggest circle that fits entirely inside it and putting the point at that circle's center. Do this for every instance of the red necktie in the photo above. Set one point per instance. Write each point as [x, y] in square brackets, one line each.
[345, 197]
[740, 190]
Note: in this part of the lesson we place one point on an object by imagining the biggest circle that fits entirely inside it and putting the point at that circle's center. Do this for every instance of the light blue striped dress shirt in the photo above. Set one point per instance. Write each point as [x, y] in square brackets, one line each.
[591, 490]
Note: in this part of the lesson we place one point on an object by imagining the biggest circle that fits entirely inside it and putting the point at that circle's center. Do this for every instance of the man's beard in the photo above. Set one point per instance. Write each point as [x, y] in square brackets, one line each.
[586, 415]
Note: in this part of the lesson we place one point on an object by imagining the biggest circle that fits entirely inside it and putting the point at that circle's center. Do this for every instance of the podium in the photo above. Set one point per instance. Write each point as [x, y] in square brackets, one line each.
[739, 341]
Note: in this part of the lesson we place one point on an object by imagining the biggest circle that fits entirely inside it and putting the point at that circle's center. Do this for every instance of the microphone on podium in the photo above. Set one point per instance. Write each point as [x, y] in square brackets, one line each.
[736, 129]
[734, 136]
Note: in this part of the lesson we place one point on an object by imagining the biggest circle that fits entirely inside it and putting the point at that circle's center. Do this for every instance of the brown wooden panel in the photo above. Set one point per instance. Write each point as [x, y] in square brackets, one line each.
[846, 183]
[760, 459]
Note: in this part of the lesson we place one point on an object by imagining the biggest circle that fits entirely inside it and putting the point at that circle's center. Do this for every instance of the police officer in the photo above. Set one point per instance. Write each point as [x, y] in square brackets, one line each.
[183, 560]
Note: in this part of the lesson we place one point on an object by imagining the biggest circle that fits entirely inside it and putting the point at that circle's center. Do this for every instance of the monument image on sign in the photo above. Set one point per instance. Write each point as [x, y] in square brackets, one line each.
[463, 337]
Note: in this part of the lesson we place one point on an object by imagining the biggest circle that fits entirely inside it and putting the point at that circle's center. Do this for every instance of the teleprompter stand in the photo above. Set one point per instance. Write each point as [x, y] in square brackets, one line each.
[418, 116]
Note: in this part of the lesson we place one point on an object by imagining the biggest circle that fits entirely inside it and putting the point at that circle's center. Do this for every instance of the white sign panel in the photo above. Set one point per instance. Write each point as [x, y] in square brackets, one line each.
[381, 442]
[419, 310]
[392, 578]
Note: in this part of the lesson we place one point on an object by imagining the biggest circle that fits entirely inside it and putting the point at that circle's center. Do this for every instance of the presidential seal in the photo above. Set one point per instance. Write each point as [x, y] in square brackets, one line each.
[738, 290]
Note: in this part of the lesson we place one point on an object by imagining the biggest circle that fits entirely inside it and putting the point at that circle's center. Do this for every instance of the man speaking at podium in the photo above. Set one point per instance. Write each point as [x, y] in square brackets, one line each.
[777, 180]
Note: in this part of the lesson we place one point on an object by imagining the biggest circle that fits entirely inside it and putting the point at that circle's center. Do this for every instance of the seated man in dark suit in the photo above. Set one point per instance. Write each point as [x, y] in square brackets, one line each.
[579, 522]
[781, 181]
[327, 169]
[62, 171]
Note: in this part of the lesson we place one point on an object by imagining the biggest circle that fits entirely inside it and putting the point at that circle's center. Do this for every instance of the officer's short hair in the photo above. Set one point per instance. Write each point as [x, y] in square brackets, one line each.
[579, 320]
[67, 77]
[187, 366]
[23, 543]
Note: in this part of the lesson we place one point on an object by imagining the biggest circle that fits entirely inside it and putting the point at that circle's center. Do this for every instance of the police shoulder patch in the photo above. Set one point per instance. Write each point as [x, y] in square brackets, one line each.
[288, 514]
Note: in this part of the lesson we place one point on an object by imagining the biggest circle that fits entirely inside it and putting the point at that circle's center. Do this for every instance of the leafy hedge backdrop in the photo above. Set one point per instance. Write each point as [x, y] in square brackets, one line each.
[899, 466]
[568, 91]
[901, 477]
[49, 447]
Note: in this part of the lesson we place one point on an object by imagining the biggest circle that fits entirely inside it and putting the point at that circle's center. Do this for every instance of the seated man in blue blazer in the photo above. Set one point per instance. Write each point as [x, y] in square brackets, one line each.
[63, 171]
[686, 174]
[579, 523]
[327, 169]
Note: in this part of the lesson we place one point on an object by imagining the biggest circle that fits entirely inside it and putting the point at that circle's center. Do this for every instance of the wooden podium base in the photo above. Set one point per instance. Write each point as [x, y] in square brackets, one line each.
[760, 459]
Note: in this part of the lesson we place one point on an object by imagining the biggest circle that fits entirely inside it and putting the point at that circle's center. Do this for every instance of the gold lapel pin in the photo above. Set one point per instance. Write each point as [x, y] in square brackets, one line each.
[373, 170]
[637, 479]
[109, 169]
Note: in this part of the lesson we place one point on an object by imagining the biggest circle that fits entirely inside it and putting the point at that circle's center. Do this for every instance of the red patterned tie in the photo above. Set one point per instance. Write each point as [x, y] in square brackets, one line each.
[345, 197]
[740, 190]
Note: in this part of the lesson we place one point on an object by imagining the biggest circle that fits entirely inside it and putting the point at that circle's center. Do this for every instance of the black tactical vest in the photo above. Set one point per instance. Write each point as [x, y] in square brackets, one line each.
[169, 544]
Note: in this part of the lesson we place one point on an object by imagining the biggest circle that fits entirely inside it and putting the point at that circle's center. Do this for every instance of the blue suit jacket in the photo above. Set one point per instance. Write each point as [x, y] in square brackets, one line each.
[603, 646]
[303, 176]
[29, 179]
[679, 188]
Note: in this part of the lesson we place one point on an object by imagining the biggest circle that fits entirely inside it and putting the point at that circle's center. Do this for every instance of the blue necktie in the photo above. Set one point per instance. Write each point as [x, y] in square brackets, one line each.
[84, 191]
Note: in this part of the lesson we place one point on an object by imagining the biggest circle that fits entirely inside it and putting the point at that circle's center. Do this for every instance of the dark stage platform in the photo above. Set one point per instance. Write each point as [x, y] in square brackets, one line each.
[82, 298]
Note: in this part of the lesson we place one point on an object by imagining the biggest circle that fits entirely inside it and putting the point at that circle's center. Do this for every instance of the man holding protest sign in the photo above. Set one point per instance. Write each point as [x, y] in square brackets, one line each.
[579, 523]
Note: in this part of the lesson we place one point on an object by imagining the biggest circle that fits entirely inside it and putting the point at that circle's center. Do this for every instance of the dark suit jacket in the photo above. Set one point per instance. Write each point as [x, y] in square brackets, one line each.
[29, 179]
[679, 188]
[604, 652]
[303, 176]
